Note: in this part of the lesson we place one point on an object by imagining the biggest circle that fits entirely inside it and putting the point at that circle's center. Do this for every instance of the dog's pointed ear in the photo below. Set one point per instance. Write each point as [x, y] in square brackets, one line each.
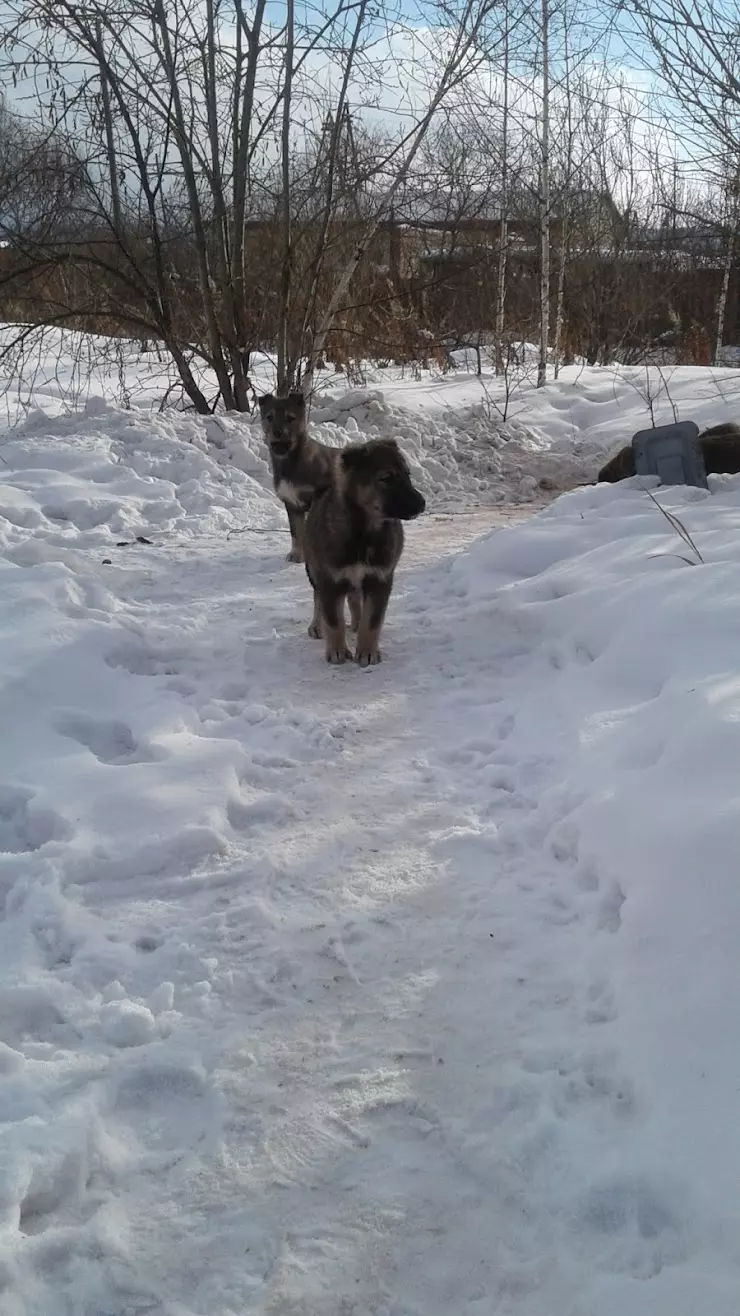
[265, 401]
[298, 400]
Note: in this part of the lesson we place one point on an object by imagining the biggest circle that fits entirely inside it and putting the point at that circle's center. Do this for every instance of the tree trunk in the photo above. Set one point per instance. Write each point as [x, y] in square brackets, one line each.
[283, 354]
[561, 292]
[244, 84]
[504, 229]
[185, 145]
[727, 269]
[544, 204]
[565, 202]
[451, 76]
[334, 145]
[115, 193]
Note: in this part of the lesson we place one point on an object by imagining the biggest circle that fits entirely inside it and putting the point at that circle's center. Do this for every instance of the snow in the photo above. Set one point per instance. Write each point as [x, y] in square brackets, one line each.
[399, 992]
[470, 440]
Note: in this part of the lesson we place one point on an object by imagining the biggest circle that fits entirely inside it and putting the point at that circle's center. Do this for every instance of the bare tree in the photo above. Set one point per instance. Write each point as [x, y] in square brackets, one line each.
[564, 195]
[468, 38]
[544, 200]
[504, 229]
[179, 111]
[732, 209]
[282, 345]
[695, 45]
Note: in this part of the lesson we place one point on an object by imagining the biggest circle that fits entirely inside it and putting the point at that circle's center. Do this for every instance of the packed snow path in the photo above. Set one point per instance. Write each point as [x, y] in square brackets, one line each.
[406, 992]
[305, 984]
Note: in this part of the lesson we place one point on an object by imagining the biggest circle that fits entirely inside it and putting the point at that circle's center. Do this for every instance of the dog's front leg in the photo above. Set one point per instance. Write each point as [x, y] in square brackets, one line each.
[314, 626]
[331, 602]
[295, 521]
[354, 598]
[375, 596]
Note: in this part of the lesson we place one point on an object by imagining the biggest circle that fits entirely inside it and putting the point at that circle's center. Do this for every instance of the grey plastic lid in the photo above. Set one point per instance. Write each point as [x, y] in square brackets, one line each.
[672, 452]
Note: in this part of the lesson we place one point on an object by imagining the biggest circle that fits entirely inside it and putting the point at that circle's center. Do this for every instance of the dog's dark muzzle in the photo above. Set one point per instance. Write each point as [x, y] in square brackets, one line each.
[280, 447]
[405, 505]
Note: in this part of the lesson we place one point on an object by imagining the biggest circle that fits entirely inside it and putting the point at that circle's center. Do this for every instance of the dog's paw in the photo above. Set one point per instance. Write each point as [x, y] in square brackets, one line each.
[369, 657]
[314, 630]
[337, 656]
[295, 555]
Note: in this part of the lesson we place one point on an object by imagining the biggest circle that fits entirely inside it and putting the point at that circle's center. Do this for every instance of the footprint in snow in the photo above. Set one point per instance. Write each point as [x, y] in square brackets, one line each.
[269, 808]
[28, 1015]
[142, 661]
[23, 826]
[610, 912]
[640, 1223]
[163, 1107]
[112, 743]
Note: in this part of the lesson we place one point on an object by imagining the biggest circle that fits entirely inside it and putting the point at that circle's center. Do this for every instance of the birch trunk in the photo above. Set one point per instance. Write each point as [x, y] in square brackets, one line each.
[283, 382]
[544, 204]
[727, 269]
[504, 229]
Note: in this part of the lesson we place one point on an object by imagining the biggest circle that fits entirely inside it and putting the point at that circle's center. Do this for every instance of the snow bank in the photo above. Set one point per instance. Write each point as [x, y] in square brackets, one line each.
[213, 467]
[470, 439]
[628, 679]
[90, 480]
[109, 800]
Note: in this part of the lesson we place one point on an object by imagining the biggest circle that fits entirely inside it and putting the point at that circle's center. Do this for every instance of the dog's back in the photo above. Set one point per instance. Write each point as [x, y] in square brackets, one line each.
[720, 445]
[726, 428]
[721, 451]
[619, 467]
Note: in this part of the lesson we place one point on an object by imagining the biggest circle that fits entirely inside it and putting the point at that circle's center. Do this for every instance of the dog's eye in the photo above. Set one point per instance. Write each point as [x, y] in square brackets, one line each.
[269, 415]
[290, 415]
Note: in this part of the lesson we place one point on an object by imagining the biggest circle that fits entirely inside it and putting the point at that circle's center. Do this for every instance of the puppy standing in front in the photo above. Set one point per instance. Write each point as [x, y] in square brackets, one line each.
[353, 539]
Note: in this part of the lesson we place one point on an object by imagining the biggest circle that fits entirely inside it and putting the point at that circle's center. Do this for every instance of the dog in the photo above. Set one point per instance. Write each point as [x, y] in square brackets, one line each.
[619, 467]
[720, 445]
[721, 448]
[301, 466]
[353, 539]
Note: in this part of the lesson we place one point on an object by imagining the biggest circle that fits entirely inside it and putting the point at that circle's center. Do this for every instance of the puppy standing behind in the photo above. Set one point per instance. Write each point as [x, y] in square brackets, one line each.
[353, 539]
[301, 467]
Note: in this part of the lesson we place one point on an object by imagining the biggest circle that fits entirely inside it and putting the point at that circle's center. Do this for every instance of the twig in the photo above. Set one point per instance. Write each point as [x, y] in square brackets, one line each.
[679, 528]
[253, 530]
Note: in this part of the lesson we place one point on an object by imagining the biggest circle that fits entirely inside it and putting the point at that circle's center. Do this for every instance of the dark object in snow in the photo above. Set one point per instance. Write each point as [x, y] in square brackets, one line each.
[140, 539]
[720, 446]
[672, 452]
[106, 562]
[619, 467]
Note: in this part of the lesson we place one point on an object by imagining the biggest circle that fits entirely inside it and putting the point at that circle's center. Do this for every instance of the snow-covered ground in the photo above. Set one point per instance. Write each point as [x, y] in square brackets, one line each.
[399, 992]
[470, 440]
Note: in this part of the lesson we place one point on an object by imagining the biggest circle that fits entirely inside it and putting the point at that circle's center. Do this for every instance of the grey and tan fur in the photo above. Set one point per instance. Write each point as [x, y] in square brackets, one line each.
[720, 445]
[301, 466]
[353, 539]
